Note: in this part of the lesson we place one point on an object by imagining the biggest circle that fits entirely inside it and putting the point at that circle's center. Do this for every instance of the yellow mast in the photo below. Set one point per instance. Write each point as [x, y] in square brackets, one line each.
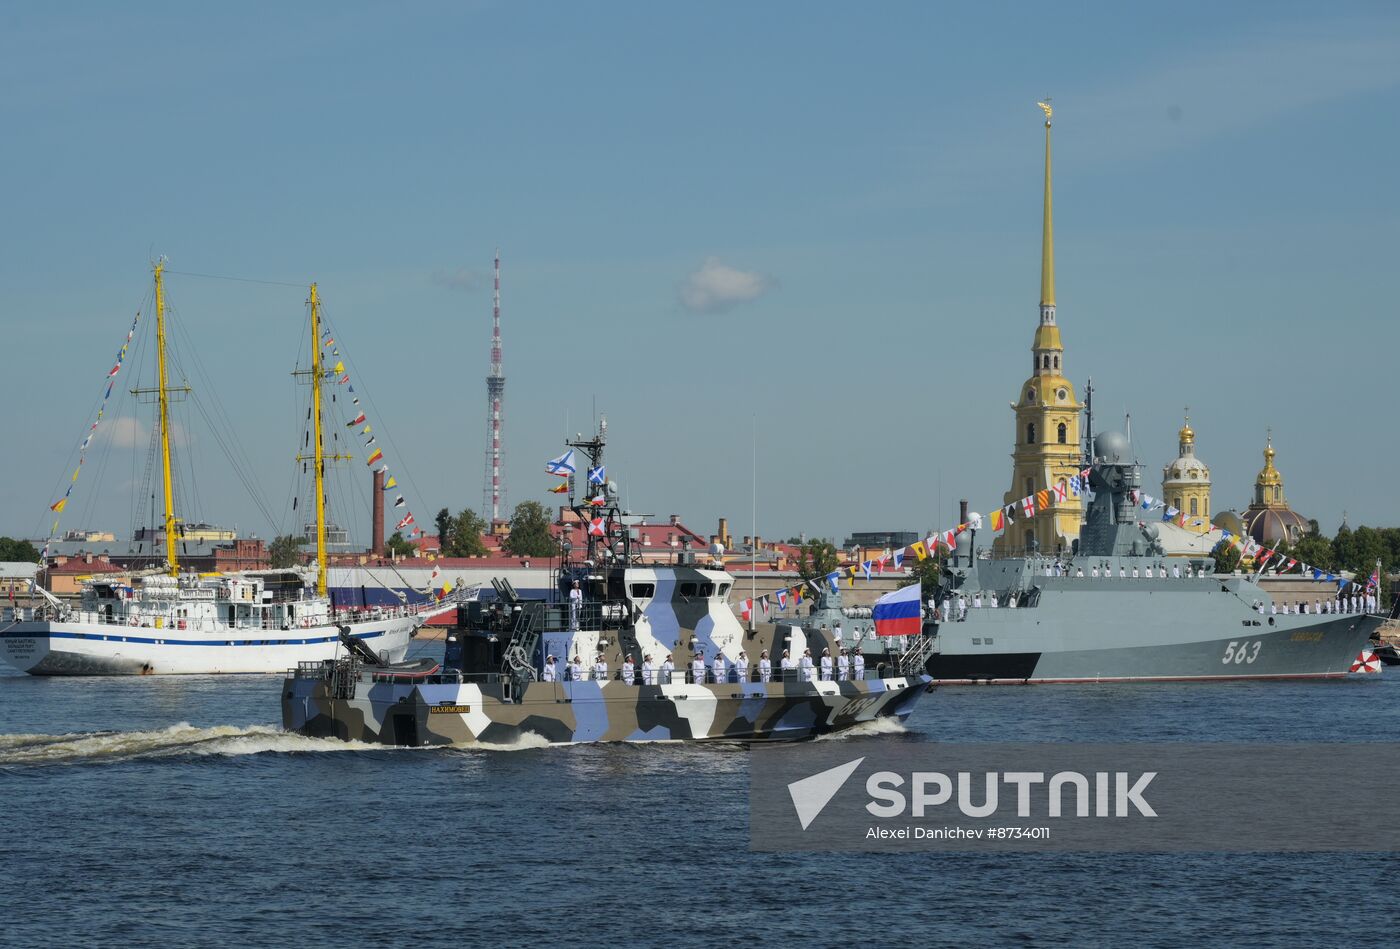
[319, 456]
[163, 396]
[1047, 238]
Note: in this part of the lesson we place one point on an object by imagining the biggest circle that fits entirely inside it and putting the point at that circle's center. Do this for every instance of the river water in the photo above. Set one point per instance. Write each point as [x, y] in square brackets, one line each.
[173, 811]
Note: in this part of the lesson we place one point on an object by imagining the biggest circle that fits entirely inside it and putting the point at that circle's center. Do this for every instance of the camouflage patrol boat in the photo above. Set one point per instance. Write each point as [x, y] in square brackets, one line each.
[1118, 610]
[629, 640]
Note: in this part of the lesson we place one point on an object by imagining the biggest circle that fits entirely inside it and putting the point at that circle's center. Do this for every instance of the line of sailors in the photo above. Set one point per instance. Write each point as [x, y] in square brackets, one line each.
[1105, 570]
[848, 665]
[1344, 603]
[954, 609]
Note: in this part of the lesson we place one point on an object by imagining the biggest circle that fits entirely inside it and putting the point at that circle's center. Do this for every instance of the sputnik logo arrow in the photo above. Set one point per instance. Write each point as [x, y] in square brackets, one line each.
[811, 795]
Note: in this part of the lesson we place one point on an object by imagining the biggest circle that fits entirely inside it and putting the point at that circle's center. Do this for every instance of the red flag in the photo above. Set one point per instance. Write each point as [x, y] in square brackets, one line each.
[595, 527]
[407, 520]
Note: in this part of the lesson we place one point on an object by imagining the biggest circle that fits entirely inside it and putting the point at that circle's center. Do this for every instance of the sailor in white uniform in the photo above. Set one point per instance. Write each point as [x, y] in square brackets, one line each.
[575, 605]
[837, 632]
[717, 668]
[1176, 571]
[857, 666]
[741, 667]
[786, 666]
[550, 672]
[648, 671]
[765, 667]
[976, 601]
[600, 668]
[826, 665]
[629, 672]
[843, 667]
[668, 670]
[576, 670]
[697, 669]
[808, 672]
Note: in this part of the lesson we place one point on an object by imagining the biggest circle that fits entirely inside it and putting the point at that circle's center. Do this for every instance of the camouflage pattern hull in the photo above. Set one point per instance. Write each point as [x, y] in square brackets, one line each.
[443, 711]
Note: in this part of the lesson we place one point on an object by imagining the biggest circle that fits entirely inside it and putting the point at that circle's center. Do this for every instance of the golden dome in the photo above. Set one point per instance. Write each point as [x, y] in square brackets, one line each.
[1186, 436]
[1269, 475]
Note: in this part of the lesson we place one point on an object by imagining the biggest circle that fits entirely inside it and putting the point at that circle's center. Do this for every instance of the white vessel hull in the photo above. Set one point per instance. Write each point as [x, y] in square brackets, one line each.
[60, 648]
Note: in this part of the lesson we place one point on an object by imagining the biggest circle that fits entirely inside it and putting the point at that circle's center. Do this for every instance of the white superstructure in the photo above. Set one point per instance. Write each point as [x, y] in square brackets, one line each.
[265, 621]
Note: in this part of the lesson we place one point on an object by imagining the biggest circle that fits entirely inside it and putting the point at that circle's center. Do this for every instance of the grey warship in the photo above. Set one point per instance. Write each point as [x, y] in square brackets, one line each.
[500, 680]
[1118, 610]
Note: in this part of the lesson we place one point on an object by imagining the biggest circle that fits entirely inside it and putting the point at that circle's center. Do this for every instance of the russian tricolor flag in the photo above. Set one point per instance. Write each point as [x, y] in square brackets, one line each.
[897, 613]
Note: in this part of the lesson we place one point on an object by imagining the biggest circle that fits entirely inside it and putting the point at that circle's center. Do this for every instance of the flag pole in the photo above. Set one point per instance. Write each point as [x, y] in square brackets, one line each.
[753, 513]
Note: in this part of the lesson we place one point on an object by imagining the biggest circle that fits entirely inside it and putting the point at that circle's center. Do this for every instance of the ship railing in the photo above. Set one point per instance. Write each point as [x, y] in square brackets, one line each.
[686, 677]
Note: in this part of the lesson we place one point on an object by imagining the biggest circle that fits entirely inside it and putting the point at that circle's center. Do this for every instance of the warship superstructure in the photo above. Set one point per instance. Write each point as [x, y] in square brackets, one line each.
[625, 652]
[1117, 609]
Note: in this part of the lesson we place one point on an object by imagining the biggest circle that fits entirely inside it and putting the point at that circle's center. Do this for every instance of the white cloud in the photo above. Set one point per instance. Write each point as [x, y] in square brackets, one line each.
[716, 287]
[458, 278]
[127, 432]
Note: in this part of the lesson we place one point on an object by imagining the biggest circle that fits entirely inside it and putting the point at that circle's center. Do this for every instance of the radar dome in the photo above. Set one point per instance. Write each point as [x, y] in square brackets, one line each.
[717, 549]
[1112, 447]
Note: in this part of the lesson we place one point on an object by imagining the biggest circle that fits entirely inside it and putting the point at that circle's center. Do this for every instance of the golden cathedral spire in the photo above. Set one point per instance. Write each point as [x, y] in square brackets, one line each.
[1047, 238]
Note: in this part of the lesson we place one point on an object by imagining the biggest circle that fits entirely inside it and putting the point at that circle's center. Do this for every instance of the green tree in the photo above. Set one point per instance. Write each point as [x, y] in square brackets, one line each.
[398, 546]
[1314, 550]
[465, 533]
[444, 529]
[529, 531]
[285, 551]
[1227, 557]
[13, 550]
[816, 559]
[927, 572]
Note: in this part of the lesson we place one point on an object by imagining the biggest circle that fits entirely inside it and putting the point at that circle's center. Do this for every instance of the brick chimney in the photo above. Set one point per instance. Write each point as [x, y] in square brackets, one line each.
[376, 547]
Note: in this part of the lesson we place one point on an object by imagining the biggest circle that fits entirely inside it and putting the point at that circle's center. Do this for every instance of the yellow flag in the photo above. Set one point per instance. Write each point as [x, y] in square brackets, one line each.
[919, 549]
[339, 367]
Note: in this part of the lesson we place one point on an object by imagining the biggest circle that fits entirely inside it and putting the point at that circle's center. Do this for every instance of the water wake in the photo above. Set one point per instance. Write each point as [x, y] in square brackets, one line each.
[875, 727]
[175, 741]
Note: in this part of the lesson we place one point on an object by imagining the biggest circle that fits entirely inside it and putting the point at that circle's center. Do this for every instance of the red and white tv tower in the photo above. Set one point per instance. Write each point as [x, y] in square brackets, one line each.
[493, 495]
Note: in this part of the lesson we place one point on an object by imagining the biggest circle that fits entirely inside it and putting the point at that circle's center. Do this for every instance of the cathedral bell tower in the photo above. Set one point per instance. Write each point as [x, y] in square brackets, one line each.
[1047, 413]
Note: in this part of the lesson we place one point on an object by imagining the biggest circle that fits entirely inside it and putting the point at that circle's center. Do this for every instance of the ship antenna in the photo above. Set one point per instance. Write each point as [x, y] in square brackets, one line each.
[1089, 422]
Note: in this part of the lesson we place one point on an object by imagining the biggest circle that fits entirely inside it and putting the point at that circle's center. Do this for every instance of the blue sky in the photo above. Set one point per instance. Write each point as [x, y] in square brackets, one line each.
[821, 221]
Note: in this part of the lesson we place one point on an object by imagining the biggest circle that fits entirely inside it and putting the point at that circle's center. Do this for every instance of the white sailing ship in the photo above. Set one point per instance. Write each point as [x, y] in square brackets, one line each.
[174, 621]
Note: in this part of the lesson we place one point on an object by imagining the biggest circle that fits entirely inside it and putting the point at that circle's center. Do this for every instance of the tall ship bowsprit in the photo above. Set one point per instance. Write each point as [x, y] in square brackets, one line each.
[172, 620]
[623, 652]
